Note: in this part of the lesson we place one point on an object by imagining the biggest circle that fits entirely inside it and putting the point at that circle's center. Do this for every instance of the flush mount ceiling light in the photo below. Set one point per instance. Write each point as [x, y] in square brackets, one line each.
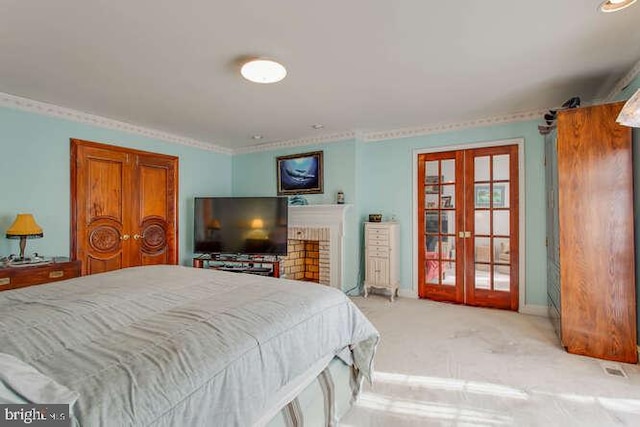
[263, 71]
[615, 5]
[317, 126]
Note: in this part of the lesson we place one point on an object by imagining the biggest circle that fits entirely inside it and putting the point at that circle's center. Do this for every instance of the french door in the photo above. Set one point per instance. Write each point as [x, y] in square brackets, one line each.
[468, 226]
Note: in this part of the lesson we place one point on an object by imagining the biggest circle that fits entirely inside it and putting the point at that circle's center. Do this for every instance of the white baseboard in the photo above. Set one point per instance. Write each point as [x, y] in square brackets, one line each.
[534, 310]
[407, 293]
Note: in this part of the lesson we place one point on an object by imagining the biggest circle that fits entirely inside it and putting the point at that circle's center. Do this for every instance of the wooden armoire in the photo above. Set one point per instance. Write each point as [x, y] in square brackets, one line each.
[590, 236]
[124, 207]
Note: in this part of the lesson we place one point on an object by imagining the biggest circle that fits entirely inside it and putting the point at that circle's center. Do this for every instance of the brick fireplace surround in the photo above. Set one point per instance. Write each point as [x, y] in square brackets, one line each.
[311, 227]
[308, 257]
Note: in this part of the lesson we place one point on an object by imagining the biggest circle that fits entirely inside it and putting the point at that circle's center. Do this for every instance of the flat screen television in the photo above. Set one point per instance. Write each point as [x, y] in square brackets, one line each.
[241, 225]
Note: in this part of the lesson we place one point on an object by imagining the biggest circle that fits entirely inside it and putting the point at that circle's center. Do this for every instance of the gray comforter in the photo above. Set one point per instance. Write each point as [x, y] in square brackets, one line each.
[168, 345]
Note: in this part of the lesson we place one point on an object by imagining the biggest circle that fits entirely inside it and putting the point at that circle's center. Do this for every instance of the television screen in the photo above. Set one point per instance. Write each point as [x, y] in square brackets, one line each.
[241, 225]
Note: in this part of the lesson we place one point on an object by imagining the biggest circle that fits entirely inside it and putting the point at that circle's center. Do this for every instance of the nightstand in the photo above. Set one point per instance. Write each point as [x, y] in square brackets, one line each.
[37, 274]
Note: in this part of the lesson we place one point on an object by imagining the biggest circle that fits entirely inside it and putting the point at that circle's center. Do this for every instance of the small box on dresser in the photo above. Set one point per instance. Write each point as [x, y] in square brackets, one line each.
[37, 274]
[382, 256]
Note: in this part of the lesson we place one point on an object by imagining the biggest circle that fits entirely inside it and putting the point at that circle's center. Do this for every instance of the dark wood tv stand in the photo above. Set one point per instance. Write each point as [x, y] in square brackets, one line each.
[251, 264]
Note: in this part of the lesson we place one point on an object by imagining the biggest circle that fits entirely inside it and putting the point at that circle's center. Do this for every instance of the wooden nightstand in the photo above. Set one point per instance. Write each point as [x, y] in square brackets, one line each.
[18, 277]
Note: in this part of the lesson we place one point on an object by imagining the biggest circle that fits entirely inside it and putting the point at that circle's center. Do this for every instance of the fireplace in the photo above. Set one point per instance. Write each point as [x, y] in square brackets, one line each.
[309, 255]
[311, 227]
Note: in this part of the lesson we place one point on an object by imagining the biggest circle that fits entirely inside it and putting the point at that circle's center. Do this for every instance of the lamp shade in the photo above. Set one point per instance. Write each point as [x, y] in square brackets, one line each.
[630, 114]
[257, 223]
[24, 226]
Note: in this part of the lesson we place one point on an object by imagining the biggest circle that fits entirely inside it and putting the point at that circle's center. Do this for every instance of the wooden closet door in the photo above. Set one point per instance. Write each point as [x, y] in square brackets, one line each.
[155, 211]
[100, 206]
[124, 207]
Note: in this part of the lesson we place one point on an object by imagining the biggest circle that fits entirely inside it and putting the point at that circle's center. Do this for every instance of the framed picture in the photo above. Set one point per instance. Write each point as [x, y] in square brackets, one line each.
[300, 174]
[445, 202]
[431, 184]
[483, 199]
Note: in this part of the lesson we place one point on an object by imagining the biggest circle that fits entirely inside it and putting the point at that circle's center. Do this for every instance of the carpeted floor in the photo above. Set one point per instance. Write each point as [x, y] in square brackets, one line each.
[448, 365]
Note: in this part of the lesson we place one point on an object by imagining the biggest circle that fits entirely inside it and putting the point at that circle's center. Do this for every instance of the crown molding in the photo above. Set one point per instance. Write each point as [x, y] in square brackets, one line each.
[624, 81]
[25, 104]
[298, 142]
[447, 127]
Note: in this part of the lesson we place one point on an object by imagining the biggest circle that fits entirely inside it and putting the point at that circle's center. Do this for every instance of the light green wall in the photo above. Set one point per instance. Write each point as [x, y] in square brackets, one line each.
[386, 187]
[34, 172]
[377, 177]
[254, 174]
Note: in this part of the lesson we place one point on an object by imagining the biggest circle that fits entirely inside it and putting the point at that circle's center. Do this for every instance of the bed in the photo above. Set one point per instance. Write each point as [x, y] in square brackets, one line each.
[177, 346]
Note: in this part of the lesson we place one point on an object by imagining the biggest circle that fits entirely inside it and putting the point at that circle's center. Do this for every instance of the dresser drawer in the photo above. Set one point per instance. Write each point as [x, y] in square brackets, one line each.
[18, 277]
[378, 251]
[377, 237]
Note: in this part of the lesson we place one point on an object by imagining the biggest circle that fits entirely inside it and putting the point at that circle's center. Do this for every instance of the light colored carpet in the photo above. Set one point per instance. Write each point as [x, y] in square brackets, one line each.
[449, 365]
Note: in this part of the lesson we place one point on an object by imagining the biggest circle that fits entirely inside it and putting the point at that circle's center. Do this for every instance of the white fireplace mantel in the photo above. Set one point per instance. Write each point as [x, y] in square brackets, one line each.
[329, 216]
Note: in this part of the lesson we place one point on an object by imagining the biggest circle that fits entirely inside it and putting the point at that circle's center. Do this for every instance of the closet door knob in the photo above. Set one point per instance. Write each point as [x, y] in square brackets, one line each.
[124, 237]
[136, 237]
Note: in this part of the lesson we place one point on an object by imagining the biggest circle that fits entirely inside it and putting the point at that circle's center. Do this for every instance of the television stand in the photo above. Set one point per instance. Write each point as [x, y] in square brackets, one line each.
[250, 264]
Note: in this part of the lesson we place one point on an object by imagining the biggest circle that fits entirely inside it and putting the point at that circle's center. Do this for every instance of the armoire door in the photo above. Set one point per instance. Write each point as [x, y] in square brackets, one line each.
[123, 207]
[468, 227]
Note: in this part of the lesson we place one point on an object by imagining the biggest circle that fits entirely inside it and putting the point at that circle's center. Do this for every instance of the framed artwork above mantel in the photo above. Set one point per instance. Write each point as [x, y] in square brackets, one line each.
[300, 173]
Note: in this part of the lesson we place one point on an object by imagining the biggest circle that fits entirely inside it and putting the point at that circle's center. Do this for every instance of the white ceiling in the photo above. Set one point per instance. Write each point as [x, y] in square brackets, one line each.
[354, 65]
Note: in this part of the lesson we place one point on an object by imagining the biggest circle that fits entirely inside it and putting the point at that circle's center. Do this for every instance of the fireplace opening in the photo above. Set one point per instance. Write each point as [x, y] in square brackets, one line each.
[303, 261]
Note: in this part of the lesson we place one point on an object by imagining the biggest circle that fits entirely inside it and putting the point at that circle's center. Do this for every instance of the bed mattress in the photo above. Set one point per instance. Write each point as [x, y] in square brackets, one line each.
[170, 345]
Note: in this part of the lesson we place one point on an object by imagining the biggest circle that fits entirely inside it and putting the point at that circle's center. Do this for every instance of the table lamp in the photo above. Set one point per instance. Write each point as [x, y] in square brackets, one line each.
[24, 227]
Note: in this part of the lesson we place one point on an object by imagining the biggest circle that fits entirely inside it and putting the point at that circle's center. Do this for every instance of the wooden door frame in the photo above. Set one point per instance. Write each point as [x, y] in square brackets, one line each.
[413, 292]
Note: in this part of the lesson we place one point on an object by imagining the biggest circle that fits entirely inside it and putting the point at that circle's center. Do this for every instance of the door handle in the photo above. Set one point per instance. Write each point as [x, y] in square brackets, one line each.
[124, 237]
[136, 237]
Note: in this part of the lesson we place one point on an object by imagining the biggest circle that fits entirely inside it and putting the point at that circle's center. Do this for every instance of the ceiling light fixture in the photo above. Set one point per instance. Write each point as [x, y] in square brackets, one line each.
[263, 71]
[615, 5]
[630, 114]
[256, 137]
[317, 126]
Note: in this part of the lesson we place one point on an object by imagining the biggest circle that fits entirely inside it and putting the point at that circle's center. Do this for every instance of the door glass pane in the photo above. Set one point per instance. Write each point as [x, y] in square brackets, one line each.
[482, 264]
[431, 169]
[448, 199]
[482, 223]
[449, 247]
[501, 278]
[501, 167]
[449, 274]
[501, 195]
[501, 250]
[482, 195]
[431, 201]
[500, 223]
[481, 168]
[449, 219]
[448, 171]
[432, 269]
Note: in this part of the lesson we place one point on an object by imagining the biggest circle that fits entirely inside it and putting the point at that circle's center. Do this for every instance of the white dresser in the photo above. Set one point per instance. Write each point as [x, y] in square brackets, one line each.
[382, 256]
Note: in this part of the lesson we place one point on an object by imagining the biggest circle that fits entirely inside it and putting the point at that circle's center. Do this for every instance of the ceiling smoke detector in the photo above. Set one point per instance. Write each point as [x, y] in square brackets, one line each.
[263, 71]
[615, 5]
